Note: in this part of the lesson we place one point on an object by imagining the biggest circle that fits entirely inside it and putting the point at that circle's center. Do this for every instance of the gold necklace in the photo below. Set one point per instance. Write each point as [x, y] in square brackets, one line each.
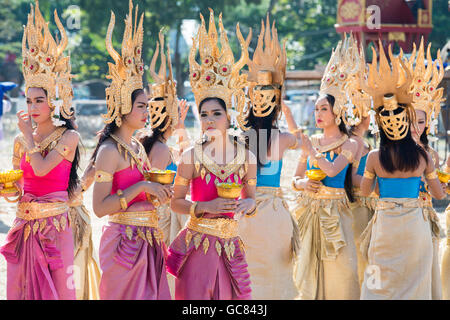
[139, 159]
[331, 146]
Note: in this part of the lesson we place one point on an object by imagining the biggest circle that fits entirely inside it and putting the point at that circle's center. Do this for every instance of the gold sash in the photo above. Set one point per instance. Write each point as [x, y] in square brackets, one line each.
[136, 218]
[221, 227]
[34, 210]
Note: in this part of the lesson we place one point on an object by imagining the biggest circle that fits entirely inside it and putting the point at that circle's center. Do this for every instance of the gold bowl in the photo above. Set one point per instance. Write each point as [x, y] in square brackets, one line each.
[229, 190]
[316, 174]
[8, 178]
[443, 177]
[160, 176]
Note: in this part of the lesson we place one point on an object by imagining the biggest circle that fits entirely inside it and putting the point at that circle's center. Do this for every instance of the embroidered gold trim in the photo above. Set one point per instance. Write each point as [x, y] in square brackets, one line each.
[369, 175]
[103, 176]
[222, 172]
[315, 140]
[180, 181]
[140, 159]
[136, 218]
[221, 227]
[325, 192]
[34, 210]
[251, 182]
[425, 199]
[388, 205]
[431, 175]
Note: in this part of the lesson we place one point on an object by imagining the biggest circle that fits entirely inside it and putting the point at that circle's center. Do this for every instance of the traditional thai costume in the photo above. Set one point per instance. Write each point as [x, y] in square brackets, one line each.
[88, 278]
[207, 257]
[270, 261]
[397, 242]
[132, 253]
[39, 245]
[445, 271]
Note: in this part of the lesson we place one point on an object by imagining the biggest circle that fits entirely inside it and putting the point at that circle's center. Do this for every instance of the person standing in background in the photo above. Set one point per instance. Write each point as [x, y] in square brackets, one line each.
[4, 87]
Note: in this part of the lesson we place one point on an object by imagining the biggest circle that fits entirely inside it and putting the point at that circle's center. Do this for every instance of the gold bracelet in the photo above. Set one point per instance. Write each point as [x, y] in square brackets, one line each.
[431, 175]
[368, 175]
[348, 154]
[294, 186]
[294, 147]
[103, 176]
[180, 181]
[251, 213]
[251, 182]
[16, 161]
[192, 210]
[294, 132]
[62, 150]
[123, 201]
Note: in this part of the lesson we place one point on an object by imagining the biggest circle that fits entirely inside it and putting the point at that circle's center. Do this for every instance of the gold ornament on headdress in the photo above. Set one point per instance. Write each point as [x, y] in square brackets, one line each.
[44, 65]
[267, 71]
[339, 74]
[389, 88]
[426, 96]
[218, 75]
[127, 70]
[163, 102]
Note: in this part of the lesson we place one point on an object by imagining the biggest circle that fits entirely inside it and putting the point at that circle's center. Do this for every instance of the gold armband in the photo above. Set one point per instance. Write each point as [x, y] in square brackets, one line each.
[251, 182]
[103, 176]
[348, 154]
[180, 181]
[15, 161]
[368, 175]
[123, 201]
[355, 164]
[62, 150]
[192, 210]
[295, 145]
[431, 175]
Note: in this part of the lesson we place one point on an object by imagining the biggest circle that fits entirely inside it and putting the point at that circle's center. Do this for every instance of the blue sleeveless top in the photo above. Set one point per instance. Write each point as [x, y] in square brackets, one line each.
[172, 166]
[334, 182]
[269, 174]
[362, 165]
[399, 187]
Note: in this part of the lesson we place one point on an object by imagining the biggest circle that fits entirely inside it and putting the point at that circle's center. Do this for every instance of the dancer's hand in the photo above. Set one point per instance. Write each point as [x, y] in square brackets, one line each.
[313, 185]
[24, 124]
[218, 206]
[184, 108]
[162, 192]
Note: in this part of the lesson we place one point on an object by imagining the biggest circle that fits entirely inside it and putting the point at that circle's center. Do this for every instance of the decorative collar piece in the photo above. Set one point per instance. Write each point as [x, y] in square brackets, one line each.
[426, 78]
[218, 76]
[127, 70]
[44, 65]
[267, 71]
[164, 101]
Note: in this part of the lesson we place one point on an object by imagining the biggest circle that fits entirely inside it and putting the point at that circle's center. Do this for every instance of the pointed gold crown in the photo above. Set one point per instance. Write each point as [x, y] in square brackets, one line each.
[389, 88]
[163, 100]
[218, 76]
[343, 66]
[426, 96]
[267, 71]
[127, 70]
[44, 65]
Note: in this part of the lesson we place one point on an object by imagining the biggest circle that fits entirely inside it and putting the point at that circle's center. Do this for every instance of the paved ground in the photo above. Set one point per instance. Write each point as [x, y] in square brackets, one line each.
[7, 210]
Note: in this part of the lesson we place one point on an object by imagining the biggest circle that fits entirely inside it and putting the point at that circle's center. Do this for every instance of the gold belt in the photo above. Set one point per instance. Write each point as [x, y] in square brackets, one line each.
[357, 193]
[274, 191]
[383, 205]
[136, 218]
[221, 227]
[327, 193]
[35, 210]
[425, 199]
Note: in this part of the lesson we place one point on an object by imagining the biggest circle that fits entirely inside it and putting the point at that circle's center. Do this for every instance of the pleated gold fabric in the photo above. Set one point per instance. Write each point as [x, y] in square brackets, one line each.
[269, 246]
[326, 267]
[445, 271]
[399, 249]
[87, 287]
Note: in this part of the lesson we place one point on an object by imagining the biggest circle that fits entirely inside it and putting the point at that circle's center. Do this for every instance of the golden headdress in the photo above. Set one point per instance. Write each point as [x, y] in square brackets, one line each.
[127, 70]
[267, 71]
[339, 75]
[426, 96]
[389, 88]
[44, 65]
[218, 75]
[163, 102]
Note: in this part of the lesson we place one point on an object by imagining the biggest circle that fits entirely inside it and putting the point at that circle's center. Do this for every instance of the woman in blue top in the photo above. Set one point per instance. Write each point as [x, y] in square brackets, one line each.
[269, 236]
[327, 264]
[165, 120]
[398, 241]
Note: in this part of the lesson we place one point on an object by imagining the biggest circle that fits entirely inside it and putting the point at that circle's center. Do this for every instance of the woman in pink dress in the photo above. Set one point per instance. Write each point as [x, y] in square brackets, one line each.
[207, 257]
[39, 245]
[132, 253]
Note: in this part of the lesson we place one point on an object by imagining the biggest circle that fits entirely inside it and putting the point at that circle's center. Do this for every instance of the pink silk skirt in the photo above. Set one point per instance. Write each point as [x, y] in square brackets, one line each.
[40, 267]
[132, 269]
[208, 276]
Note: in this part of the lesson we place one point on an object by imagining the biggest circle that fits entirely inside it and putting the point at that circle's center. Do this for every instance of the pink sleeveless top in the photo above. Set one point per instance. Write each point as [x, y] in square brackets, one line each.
[126, 178]
[56, 180]
[202, 191]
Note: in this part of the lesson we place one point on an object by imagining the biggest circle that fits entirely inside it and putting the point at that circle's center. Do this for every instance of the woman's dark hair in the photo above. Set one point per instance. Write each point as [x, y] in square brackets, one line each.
[424, 139]
[348, 184]
[110, 128]
[401, 155]
[266, 123]
[149, 140]
[73, 177]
